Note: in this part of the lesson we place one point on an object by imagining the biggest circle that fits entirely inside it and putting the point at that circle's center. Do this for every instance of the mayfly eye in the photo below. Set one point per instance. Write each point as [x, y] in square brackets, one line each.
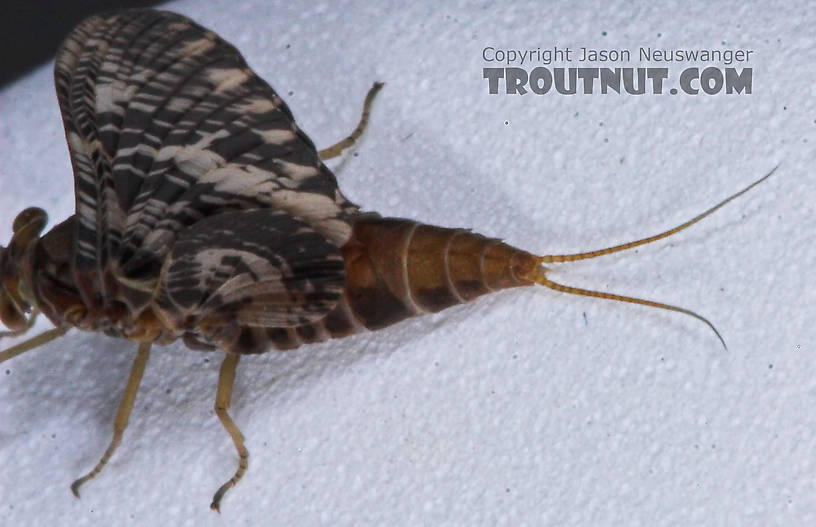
[34, 215]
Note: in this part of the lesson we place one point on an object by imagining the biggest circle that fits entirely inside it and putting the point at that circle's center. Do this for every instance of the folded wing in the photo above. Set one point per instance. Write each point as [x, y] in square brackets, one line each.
[167, 126]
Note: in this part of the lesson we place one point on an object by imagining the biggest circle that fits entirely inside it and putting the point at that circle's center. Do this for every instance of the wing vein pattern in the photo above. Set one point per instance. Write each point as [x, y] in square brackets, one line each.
[195, 189]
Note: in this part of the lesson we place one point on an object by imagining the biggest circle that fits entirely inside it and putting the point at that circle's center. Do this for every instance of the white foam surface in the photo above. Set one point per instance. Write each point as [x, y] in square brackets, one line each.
[528, 407]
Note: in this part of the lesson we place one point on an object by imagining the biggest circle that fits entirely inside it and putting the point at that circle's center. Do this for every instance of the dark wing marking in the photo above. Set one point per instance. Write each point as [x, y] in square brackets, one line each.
[260, 268]
[167, 125]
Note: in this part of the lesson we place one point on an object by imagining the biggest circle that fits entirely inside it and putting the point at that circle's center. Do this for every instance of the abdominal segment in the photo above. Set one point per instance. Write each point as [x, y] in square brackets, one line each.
[396, 269]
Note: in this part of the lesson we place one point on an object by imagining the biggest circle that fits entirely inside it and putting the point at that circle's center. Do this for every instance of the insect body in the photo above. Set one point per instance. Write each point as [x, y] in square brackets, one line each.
[204, 213]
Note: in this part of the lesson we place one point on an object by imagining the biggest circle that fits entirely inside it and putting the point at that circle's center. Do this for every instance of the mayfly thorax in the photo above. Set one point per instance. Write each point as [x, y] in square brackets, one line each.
[203, 213]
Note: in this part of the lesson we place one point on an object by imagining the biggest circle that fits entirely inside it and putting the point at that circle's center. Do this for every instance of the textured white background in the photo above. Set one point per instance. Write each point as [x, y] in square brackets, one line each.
[525, 408]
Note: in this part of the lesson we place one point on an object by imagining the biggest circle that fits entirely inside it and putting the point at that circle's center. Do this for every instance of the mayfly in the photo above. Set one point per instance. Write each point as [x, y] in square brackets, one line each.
[203, 213]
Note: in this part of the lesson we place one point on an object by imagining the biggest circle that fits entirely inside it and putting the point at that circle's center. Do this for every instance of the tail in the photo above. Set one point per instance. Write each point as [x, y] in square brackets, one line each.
[539, 274]
[609, 250]
[542, 279]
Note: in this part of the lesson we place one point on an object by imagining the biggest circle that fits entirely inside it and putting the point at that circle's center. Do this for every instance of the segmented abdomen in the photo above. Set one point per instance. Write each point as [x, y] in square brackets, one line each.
[396, 269]
[399, 268]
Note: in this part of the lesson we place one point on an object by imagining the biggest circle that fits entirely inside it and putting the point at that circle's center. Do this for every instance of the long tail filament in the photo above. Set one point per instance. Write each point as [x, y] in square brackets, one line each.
[540, 274]
[650, 239]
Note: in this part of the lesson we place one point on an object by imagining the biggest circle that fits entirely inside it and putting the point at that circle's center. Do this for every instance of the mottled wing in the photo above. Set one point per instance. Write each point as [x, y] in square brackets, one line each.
[262, 268]
[167, 125]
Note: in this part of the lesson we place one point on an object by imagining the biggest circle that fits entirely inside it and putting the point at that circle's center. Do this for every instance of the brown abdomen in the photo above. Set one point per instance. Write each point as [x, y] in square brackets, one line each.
[399, 268]
[396, 269]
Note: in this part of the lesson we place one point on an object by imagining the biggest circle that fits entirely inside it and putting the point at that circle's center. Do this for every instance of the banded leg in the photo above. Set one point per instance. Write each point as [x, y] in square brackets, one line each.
[226, 376]
[122, 414]
[337, 148]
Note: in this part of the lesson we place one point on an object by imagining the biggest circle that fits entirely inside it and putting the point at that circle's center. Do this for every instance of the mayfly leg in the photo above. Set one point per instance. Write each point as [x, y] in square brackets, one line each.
[122, 414]
[226, 376]
[33, 342]
[336, 149]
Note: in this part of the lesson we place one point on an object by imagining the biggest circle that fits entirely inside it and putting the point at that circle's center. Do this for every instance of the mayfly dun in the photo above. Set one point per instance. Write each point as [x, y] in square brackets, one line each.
[203, 213]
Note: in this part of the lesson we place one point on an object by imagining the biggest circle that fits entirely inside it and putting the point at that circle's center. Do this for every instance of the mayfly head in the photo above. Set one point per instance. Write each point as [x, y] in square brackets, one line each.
[15, 295]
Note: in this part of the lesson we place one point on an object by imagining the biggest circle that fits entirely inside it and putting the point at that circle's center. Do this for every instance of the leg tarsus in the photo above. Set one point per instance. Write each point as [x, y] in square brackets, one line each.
[226, 376]
[337, 148]
[122, 414]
